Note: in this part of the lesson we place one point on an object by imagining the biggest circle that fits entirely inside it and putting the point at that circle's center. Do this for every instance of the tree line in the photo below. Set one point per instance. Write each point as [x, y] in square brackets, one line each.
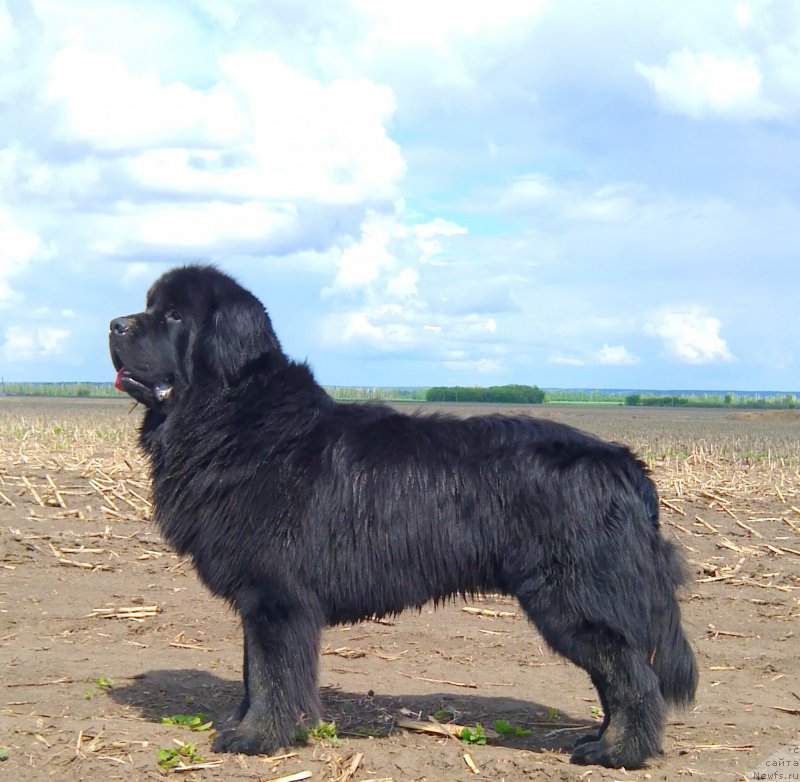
[773, 402]
[508, 394]
[512, 394]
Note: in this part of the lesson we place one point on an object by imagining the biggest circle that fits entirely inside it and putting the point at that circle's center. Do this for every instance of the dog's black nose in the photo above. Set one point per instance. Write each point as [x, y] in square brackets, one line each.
[120, 325]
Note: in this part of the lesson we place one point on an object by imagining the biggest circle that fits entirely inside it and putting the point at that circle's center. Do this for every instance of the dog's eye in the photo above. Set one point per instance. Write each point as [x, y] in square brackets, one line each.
[173, 315]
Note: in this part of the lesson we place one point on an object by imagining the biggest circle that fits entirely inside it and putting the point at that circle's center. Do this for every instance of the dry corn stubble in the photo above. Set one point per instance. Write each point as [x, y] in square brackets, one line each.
[76, 492]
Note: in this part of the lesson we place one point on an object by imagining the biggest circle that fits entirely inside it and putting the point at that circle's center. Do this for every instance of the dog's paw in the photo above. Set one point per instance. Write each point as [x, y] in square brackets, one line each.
[247, 741]
[589, 737]
[601, 753]
[593, 752]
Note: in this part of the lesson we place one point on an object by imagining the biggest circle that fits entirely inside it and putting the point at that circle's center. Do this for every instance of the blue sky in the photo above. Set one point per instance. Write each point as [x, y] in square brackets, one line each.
[571, 193]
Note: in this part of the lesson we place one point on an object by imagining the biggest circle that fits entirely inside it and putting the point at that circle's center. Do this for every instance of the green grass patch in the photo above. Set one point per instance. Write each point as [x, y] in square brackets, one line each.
[103, 684]
[322, 731]
[444, 715]
[170, 758]
[197, 722]
[505, 728]
[473, 735]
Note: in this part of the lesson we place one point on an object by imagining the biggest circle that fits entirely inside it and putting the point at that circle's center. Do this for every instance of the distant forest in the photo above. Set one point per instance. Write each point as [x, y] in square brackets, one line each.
[509, 394]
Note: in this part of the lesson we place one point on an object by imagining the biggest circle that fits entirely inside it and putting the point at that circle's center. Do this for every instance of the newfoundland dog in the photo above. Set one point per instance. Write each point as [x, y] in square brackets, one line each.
[302, 512]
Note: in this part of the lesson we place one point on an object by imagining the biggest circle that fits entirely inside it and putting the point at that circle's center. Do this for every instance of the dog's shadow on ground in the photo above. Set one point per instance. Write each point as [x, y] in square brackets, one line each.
[161, 693]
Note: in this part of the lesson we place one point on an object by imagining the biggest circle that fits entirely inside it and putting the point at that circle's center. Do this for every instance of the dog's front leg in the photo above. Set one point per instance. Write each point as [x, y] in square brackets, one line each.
[281, 660]
[244, 706]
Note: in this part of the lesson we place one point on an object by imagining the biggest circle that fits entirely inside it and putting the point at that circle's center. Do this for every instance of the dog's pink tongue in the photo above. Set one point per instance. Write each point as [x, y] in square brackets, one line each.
[116, 381]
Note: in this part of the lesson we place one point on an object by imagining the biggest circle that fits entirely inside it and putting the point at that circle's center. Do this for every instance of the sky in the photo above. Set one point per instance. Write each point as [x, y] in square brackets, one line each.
[567, 193]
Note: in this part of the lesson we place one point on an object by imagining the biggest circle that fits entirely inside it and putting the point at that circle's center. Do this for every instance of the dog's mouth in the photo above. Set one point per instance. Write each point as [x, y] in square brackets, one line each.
[141, 392]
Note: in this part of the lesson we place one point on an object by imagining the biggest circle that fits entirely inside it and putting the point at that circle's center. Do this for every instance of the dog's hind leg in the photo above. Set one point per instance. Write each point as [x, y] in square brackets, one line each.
[282, 648]
[634, 709]
[601, 691]
[635, 715]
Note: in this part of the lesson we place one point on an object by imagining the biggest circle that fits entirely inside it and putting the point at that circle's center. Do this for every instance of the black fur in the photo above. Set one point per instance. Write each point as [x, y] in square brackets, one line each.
[302, 513]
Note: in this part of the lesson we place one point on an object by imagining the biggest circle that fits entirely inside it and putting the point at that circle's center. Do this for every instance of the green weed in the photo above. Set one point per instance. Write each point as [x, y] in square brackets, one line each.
[169, 758]
[366, 732]
[505, 728]
[103, 683]
[197, 722]
[473, 735]
[324, 731]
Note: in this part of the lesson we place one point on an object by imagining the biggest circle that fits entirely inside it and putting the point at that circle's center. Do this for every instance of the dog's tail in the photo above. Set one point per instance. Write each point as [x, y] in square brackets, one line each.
[671, 656]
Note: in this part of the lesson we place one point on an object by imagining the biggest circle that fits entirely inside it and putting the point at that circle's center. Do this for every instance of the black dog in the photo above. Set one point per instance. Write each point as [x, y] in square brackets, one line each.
[302, 513]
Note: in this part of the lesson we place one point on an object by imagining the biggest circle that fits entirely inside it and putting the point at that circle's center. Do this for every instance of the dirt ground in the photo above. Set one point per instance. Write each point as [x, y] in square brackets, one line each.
[104, 631]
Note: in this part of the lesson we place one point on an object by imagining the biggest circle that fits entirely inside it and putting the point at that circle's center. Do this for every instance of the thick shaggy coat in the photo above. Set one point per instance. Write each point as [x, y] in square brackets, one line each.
[303, 512]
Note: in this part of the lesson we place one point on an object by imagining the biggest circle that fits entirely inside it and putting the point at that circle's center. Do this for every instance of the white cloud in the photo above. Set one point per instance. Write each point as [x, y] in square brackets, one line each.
[460, 343]
[578, 201]
[276, 144]
[404, 284]
[263, 130]
[447, 33]
[50, 339]
[743, 12]
[430, 234]
[113, 108]
[700, 84]
[389, 298]
[357, 326]
[483, 366]
[569, 361]
[24, 344]
[609, 204]
[198, 229]
[528, 190]
[136, 273]
[386, 242]
[17, 248]
[25, 175]
[10, 42]
[361, 262]
[380, 330]
[256, 161]
[19, 344]
[783, 63]
[690, 335]
[9, 38]
[743, 63]
[327, 140]
[607, 355]
[616, 355]
[434, 24]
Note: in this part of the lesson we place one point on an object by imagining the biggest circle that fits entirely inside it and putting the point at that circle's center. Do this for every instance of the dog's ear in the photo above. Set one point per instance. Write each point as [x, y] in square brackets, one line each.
[239, 333]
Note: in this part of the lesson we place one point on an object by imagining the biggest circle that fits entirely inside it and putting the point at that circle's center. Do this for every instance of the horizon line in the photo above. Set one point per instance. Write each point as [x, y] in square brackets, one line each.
[363, 387]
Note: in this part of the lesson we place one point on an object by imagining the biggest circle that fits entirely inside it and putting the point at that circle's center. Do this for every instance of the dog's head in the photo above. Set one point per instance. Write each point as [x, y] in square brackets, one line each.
[199, 327]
